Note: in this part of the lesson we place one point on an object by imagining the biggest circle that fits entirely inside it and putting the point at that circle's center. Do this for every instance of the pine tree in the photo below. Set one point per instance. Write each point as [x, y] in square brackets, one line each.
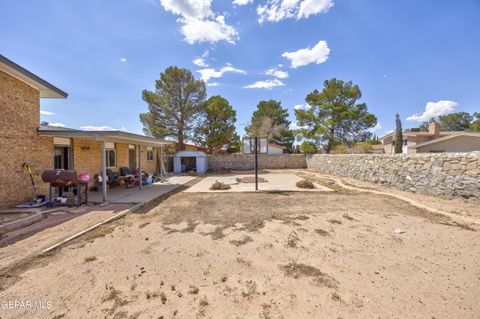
[398, 135]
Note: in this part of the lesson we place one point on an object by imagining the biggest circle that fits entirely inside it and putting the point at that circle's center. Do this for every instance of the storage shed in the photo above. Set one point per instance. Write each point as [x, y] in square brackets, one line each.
[185, 161]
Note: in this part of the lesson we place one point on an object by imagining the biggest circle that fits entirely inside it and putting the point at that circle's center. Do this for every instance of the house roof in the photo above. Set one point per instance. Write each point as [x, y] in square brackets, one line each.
[409, 133]
[101, 136]
[448, 137]
[46, 89]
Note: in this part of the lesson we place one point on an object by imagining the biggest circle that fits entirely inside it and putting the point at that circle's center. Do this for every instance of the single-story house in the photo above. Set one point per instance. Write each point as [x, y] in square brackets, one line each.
[416, 141]
[24, 140]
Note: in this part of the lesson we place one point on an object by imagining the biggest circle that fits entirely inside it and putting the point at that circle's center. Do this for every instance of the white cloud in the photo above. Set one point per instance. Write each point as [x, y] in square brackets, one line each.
[277, 10]
[318, 54]
[123, 60]
[208, 30]
[241, 2]
[46, 113]
[57, 124]
[302, 107]
[277, 73]
[213, 84]
[375, 128]
[267, 84]
[434, 110]
[97, 128]
[210, 73]
[200, 62]
[199, 22]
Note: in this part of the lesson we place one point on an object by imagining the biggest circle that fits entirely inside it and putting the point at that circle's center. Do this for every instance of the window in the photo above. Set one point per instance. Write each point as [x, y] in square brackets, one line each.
[111, 156]
[149, 155]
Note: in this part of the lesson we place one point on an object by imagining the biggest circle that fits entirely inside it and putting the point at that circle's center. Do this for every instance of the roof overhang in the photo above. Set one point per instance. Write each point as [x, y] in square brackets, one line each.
[445, 138]
[46, 89]
[105, 136]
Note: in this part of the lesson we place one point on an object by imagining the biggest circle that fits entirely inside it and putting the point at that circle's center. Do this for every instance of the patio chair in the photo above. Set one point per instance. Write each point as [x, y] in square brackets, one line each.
[129, 178]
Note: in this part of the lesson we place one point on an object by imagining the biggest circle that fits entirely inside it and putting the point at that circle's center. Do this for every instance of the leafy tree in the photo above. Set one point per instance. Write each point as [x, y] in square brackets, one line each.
[271, 120]
[174, 105]
[475, 125]
[398, 135]
[459, 121]
[335, 117]
[216, 128]
[308, 147]
[424, 126]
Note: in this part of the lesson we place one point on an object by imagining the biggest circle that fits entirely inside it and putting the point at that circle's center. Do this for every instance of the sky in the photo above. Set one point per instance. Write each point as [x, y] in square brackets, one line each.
[418, 58]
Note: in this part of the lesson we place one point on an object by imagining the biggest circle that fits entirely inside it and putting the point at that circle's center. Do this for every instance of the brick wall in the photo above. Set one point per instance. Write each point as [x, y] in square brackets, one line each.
[19, 141]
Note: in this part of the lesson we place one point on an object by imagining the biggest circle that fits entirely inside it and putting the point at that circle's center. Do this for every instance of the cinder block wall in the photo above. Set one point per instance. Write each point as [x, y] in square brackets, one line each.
[449, 175]
[19, 141]
[246, 161]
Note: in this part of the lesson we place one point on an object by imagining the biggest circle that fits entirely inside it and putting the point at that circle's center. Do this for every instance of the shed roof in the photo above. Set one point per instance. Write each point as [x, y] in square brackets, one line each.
[190, 154]
[105, 136]
[46, 89]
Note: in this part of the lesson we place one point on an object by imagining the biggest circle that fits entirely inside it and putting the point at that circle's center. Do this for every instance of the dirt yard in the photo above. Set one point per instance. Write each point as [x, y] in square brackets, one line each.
[341, 254]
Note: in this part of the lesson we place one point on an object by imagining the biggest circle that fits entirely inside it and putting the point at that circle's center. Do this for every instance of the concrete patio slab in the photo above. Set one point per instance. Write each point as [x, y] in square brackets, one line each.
[144, 195]
[275, 182]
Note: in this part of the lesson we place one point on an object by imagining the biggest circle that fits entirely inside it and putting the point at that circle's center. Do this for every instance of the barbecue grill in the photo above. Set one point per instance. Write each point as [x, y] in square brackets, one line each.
[60, 178]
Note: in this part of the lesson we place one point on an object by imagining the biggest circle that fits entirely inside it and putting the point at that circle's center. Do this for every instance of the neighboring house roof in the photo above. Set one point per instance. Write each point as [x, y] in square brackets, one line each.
[448, 137]
[441, 133]
[46, 89]
[105, 136]
[276, 146]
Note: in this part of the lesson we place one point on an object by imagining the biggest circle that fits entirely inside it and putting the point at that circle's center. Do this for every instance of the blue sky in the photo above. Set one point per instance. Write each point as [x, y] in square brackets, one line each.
[418, 58]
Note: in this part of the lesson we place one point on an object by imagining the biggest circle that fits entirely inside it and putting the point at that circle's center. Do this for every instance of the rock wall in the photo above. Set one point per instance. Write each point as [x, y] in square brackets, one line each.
[449, 175]
[246, 161]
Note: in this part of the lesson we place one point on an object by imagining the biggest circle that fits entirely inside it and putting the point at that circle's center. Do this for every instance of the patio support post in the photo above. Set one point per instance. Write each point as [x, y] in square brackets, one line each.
[104, 171]
[140, 165]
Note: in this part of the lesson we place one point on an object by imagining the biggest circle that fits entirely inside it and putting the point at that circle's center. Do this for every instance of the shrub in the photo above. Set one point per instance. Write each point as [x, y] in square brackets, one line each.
[305, 183]
[340, 149]
[217, 186]
[363, 148]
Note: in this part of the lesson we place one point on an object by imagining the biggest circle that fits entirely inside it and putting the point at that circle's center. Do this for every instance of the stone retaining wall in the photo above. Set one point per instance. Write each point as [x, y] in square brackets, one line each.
[246, 161]
[449, 175]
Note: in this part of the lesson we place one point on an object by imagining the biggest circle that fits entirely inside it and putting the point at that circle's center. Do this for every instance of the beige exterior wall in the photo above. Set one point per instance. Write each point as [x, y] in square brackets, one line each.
[19, 141]
[87, 157]
[456, 144]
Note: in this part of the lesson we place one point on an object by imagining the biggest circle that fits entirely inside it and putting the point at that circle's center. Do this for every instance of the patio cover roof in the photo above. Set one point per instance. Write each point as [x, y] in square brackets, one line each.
[101, 136]
[46, 89]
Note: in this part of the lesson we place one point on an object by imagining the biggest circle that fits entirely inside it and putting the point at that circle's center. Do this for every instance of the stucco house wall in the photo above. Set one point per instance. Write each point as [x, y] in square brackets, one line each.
[456, 144]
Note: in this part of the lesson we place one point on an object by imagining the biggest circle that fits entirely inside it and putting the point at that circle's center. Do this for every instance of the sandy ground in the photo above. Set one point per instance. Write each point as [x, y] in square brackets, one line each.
[339, 254]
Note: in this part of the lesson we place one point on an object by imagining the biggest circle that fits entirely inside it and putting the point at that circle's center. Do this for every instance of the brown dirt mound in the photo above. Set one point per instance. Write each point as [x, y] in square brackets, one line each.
[217, 186]
[305, 183]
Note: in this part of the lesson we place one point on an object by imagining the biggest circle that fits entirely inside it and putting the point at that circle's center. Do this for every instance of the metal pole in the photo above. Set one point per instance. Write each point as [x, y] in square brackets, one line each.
[256, 163]
[140, 166]
[104, 171]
